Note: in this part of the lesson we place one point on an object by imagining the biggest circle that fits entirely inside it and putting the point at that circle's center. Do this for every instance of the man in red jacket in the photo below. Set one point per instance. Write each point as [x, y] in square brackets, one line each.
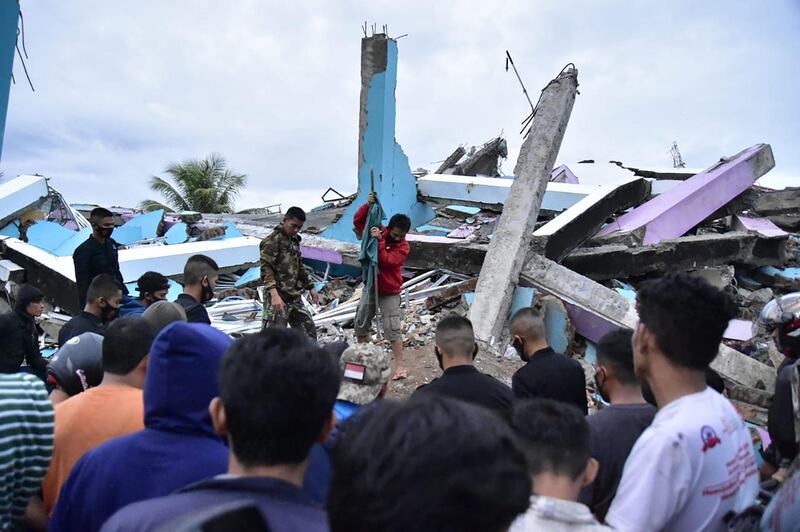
[392, 253]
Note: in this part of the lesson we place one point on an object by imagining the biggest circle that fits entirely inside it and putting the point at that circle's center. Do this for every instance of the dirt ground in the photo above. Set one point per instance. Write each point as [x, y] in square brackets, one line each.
[423, 368]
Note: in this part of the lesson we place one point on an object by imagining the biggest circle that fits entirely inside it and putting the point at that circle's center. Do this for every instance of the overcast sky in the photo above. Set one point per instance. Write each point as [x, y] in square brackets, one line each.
[124, 88]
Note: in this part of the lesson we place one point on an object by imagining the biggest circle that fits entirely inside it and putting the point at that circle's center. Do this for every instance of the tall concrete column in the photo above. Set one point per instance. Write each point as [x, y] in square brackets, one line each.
[377, 148]
[512, 237]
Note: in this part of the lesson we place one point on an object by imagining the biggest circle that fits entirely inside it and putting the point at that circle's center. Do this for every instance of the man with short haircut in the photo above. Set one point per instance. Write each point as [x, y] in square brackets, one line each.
[556, 440]
[393, 251]
[276, 397]
[695, 463]
[284, 276]
[455, 350]
[102, 305]
[178, 445]
[546, 374]
[615, 428]
[26, 424]
[428, 464]
[20, 333]
[114, 408]
[97, 255]
[200, 276]
[152, 287]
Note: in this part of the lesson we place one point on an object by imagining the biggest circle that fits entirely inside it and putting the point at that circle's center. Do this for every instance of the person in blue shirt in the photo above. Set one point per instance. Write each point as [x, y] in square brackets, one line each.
[152, 287]
[178, 445]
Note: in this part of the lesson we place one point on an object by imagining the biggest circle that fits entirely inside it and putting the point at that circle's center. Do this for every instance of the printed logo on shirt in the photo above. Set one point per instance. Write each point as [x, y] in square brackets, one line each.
[709, 437]
[355, 372]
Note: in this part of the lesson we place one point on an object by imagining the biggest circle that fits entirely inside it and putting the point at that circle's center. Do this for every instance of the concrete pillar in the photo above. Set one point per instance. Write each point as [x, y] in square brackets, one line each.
[9, 17]
[512, 237]
[378, 151]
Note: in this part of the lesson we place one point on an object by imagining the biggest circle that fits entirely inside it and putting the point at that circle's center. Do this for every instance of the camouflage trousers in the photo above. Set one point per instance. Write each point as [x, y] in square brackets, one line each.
[294, 315]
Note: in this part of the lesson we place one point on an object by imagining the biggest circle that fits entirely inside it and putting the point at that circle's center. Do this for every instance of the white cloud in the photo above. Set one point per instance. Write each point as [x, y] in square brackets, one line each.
[124, 89]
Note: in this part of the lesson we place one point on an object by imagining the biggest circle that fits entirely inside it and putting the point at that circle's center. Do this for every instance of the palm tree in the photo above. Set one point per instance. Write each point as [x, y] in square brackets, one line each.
[202, 185]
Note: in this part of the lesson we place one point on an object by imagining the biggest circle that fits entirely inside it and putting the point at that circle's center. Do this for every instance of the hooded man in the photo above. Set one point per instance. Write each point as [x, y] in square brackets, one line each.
[98, 254]
[178, 445]
[20, 333]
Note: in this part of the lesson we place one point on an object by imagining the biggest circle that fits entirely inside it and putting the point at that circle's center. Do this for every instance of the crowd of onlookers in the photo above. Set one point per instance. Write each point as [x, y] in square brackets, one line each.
[157, 421]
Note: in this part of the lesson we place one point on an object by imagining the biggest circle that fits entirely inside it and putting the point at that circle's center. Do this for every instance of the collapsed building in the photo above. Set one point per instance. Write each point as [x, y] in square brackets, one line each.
[574, 240]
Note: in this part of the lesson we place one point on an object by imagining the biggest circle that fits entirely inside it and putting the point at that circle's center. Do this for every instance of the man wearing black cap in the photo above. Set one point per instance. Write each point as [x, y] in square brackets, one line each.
[152, 287]
[98, 254]
[20, 333]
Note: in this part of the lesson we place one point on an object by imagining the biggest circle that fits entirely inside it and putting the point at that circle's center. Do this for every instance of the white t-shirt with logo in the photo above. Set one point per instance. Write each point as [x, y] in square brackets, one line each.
[693, 465]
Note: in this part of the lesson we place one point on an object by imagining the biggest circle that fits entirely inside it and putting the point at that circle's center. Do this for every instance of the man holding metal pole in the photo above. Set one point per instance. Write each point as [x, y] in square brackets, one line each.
[383, 252]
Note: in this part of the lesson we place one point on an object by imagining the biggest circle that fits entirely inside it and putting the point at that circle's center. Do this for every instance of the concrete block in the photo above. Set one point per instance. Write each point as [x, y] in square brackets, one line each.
[762, 226]
[673, 213]
[514, 231]
[595, 310]
[783, 278]
[9, 271]
[21, 193]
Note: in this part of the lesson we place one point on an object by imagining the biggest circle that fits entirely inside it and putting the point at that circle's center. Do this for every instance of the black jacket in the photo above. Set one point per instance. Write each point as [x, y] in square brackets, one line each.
[195, 311]
[93, 258]
[79, 324]
[553, 376]
[19, 334]
[468, 384]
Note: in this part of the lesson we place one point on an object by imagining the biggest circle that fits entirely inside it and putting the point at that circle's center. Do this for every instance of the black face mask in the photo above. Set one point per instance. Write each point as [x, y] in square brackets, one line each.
[518, 346]
[108, 313]
[105, 232]
[438, 357]
[207, 293]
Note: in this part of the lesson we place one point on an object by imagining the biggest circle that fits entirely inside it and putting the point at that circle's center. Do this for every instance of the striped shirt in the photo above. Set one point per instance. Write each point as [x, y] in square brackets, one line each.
[26, 444]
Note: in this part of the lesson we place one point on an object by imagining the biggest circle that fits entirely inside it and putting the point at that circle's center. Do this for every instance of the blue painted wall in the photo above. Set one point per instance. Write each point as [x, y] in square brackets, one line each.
[397, 189]
[9, 16]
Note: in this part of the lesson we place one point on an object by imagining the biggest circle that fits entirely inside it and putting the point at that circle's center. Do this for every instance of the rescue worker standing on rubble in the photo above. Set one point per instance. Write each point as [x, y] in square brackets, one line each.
[284, 276]
[98, 254]
[392, 254]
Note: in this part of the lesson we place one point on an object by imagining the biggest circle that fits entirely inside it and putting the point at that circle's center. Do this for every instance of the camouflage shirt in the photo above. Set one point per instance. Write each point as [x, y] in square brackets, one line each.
[281, 265]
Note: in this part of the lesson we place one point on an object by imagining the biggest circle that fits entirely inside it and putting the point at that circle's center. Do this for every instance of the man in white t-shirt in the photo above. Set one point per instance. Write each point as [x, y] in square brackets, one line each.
[695, 464]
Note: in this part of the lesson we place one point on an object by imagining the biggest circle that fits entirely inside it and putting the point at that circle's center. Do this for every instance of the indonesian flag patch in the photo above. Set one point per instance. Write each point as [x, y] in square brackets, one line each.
[354, 371]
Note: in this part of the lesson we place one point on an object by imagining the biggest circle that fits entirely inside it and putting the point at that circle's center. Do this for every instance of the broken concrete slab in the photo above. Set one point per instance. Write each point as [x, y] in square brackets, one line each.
[21, 194]
[673, 213]
[450, 294]
[491, 193]
[595, 310]
[685, 253]
[559, 329]
[762, 226]
[514, 231]
[582, 220]
[783, 278]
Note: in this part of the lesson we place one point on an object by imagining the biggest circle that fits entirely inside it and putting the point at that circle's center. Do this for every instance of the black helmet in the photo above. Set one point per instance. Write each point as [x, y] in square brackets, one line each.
[78, 364]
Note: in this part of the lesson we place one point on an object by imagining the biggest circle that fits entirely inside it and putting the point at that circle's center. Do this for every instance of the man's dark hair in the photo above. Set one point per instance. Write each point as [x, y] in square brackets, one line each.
[103, 285]
[687, 316]
[400, 221]
[278, 389]
[427, 464]
[151, 282]
[530, 322]
[127, 341]
[295, 212]
[455, 336]
[555, 436]
[197, 267]
[616, 350]
[98, 213]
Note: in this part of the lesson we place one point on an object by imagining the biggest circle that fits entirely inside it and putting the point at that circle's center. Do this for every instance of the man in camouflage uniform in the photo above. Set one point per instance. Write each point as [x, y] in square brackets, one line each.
[284, 276]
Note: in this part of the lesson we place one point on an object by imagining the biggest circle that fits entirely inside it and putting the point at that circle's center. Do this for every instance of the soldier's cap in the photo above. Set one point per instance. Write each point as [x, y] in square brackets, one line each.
[365, 369]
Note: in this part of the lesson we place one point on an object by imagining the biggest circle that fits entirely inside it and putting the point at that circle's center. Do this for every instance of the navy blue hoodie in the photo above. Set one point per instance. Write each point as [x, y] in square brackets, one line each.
[178, 445]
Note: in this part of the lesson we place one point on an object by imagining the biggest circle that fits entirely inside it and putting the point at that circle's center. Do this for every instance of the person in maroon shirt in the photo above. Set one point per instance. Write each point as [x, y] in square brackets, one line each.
[392, 253]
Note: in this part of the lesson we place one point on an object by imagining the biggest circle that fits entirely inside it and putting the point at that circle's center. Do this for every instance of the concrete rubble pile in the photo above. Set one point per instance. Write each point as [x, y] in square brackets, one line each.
[574, 240]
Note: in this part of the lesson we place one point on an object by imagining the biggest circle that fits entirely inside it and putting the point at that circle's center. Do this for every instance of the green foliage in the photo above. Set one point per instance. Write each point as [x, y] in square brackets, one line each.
[202, 185]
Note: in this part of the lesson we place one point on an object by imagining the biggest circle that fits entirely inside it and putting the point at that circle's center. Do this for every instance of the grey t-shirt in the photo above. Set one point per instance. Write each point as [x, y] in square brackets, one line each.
[614, 430]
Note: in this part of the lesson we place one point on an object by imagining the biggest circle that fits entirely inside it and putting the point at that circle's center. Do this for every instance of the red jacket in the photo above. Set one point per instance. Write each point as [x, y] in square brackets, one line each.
[391, 256]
